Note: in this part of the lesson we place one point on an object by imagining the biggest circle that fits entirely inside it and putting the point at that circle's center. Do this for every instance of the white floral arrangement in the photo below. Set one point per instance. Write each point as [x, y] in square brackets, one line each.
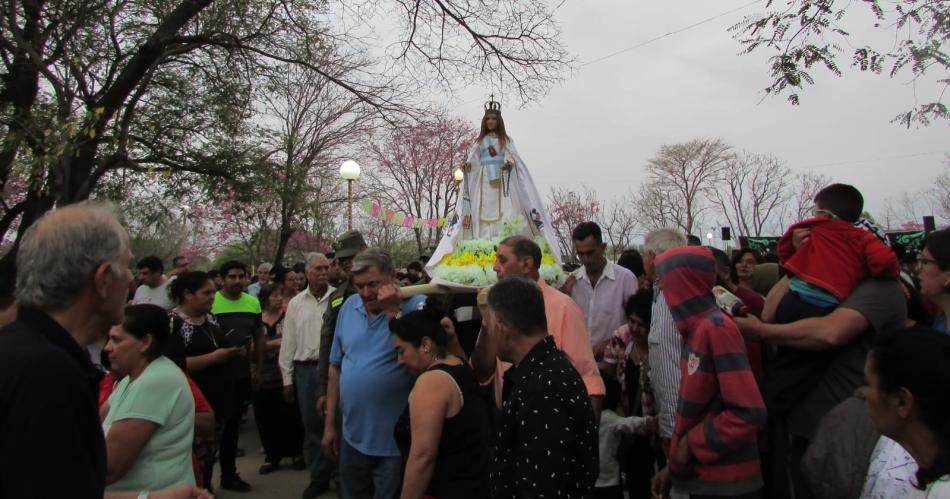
[472, 261]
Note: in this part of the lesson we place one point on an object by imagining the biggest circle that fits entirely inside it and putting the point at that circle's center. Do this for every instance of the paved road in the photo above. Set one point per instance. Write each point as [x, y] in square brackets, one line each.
[286, 482]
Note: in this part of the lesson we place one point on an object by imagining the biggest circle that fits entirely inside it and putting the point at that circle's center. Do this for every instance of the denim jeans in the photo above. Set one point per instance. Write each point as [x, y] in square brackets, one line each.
[305, 380]
[368, 477]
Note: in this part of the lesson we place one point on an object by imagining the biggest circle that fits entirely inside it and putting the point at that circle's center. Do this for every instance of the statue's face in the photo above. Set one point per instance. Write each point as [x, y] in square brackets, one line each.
[491, 122]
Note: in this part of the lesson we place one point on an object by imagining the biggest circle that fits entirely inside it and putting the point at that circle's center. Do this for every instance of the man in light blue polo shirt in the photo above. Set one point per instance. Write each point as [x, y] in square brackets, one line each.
[368, 383]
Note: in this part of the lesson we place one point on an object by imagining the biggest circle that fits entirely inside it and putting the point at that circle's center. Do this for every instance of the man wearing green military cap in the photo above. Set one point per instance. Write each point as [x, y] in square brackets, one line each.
[347, 246]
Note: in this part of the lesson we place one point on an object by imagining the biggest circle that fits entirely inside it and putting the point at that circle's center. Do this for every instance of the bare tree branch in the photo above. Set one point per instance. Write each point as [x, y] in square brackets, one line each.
[753, 192]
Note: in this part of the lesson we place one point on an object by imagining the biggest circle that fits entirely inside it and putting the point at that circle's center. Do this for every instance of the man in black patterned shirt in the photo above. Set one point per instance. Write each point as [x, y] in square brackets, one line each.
[547, 439]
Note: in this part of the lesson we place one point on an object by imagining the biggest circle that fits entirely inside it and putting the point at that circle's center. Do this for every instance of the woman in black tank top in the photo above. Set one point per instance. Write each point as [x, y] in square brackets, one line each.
[442, 433]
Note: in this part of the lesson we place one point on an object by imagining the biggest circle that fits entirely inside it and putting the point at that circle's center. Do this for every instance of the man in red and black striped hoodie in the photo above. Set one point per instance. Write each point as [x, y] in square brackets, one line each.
[713, 452]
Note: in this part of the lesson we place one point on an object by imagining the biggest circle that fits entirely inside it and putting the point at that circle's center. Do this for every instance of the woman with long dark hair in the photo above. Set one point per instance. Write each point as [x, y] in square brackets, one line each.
[198, 344]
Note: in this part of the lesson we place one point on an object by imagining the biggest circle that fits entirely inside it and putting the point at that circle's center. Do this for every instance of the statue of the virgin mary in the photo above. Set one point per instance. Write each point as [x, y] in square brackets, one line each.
[498, 199]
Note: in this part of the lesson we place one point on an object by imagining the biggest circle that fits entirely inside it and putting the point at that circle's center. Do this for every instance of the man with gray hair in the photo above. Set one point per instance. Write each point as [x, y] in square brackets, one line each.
[665, 341]
[72, 283]
[263, 279]
[299, 359]
[367, 381]
[519, 256]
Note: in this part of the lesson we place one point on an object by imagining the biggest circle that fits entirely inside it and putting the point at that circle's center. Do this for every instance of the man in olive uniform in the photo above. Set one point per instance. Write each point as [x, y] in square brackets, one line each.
[347, 246]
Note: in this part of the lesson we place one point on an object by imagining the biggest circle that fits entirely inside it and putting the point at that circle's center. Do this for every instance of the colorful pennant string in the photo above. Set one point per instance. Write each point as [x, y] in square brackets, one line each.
[400, 219]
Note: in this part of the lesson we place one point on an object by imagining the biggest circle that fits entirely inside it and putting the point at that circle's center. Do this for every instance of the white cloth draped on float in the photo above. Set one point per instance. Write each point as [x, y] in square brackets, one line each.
[496, 203]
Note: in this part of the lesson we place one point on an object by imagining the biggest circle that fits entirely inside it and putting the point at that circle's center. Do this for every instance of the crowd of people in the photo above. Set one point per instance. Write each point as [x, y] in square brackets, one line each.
[818, 370]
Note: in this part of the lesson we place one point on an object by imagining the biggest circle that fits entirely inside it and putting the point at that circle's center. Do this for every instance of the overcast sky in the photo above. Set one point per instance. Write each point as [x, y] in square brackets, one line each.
[607, 119]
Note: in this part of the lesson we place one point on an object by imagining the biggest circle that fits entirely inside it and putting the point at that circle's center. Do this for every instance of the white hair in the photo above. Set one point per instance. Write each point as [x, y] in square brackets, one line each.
[661, 240]
[313, 256]
[62, 250]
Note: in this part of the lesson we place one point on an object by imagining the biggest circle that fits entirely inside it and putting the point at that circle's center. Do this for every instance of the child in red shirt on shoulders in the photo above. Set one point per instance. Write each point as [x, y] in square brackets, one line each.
[827, 265]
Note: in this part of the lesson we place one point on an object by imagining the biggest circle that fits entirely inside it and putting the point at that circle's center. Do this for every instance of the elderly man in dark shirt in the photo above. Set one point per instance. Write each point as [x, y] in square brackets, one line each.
[72, 281]
[547, 439]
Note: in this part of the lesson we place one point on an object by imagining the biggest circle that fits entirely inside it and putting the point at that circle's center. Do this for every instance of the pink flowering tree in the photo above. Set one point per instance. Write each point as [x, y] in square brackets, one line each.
[567, 208]
[166, 221]
[414, 171]
[12, 195]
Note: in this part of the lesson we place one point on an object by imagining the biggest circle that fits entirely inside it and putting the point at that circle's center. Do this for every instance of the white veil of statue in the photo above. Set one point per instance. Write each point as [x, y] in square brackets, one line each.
[498, 199]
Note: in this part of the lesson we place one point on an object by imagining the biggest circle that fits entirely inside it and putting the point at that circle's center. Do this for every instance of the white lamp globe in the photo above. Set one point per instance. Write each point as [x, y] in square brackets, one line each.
[350, 170]
[458, 175]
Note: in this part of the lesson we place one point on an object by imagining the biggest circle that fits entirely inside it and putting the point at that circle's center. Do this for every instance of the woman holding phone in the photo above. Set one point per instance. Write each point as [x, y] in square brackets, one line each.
[198, 344]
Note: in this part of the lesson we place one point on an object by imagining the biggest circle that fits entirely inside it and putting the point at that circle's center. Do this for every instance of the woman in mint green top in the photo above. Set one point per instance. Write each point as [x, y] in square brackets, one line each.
[150, 416]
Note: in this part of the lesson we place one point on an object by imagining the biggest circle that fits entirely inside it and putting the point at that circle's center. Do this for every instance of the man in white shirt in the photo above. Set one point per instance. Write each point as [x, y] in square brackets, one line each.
[600, 288]
[154, 288]
[298, 359]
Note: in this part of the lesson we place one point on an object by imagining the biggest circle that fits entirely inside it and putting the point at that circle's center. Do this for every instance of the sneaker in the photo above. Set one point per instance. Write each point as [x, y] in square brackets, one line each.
[235, 483]
[315, 490]
[268, 467]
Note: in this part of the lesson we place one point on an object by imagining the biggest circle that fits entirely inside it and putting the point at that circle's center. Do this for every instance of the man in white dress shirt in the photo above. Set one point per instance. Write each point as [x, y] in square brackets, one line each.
[600, 287]
[299, 354]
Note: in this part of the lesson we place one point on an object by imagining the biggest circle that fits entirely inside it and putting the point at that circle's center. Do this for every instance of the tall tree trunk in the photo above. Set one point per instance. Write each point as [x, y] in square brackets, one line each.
[283, 238]
[76, 176]
[418, 234]
[20, 88]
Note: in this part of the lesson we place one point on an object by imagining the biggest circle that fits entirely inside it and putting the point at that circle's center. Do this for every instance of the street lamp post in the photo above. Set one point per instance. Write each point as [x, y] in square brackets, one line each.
[185, 211]
[350, 171]
[458, 175]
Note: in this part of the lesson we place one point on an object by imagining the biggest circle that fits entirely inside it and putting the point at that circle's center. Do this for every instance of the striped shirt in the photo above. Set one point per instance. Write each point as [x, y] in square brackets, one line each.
[720, 409]
[666, 348]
